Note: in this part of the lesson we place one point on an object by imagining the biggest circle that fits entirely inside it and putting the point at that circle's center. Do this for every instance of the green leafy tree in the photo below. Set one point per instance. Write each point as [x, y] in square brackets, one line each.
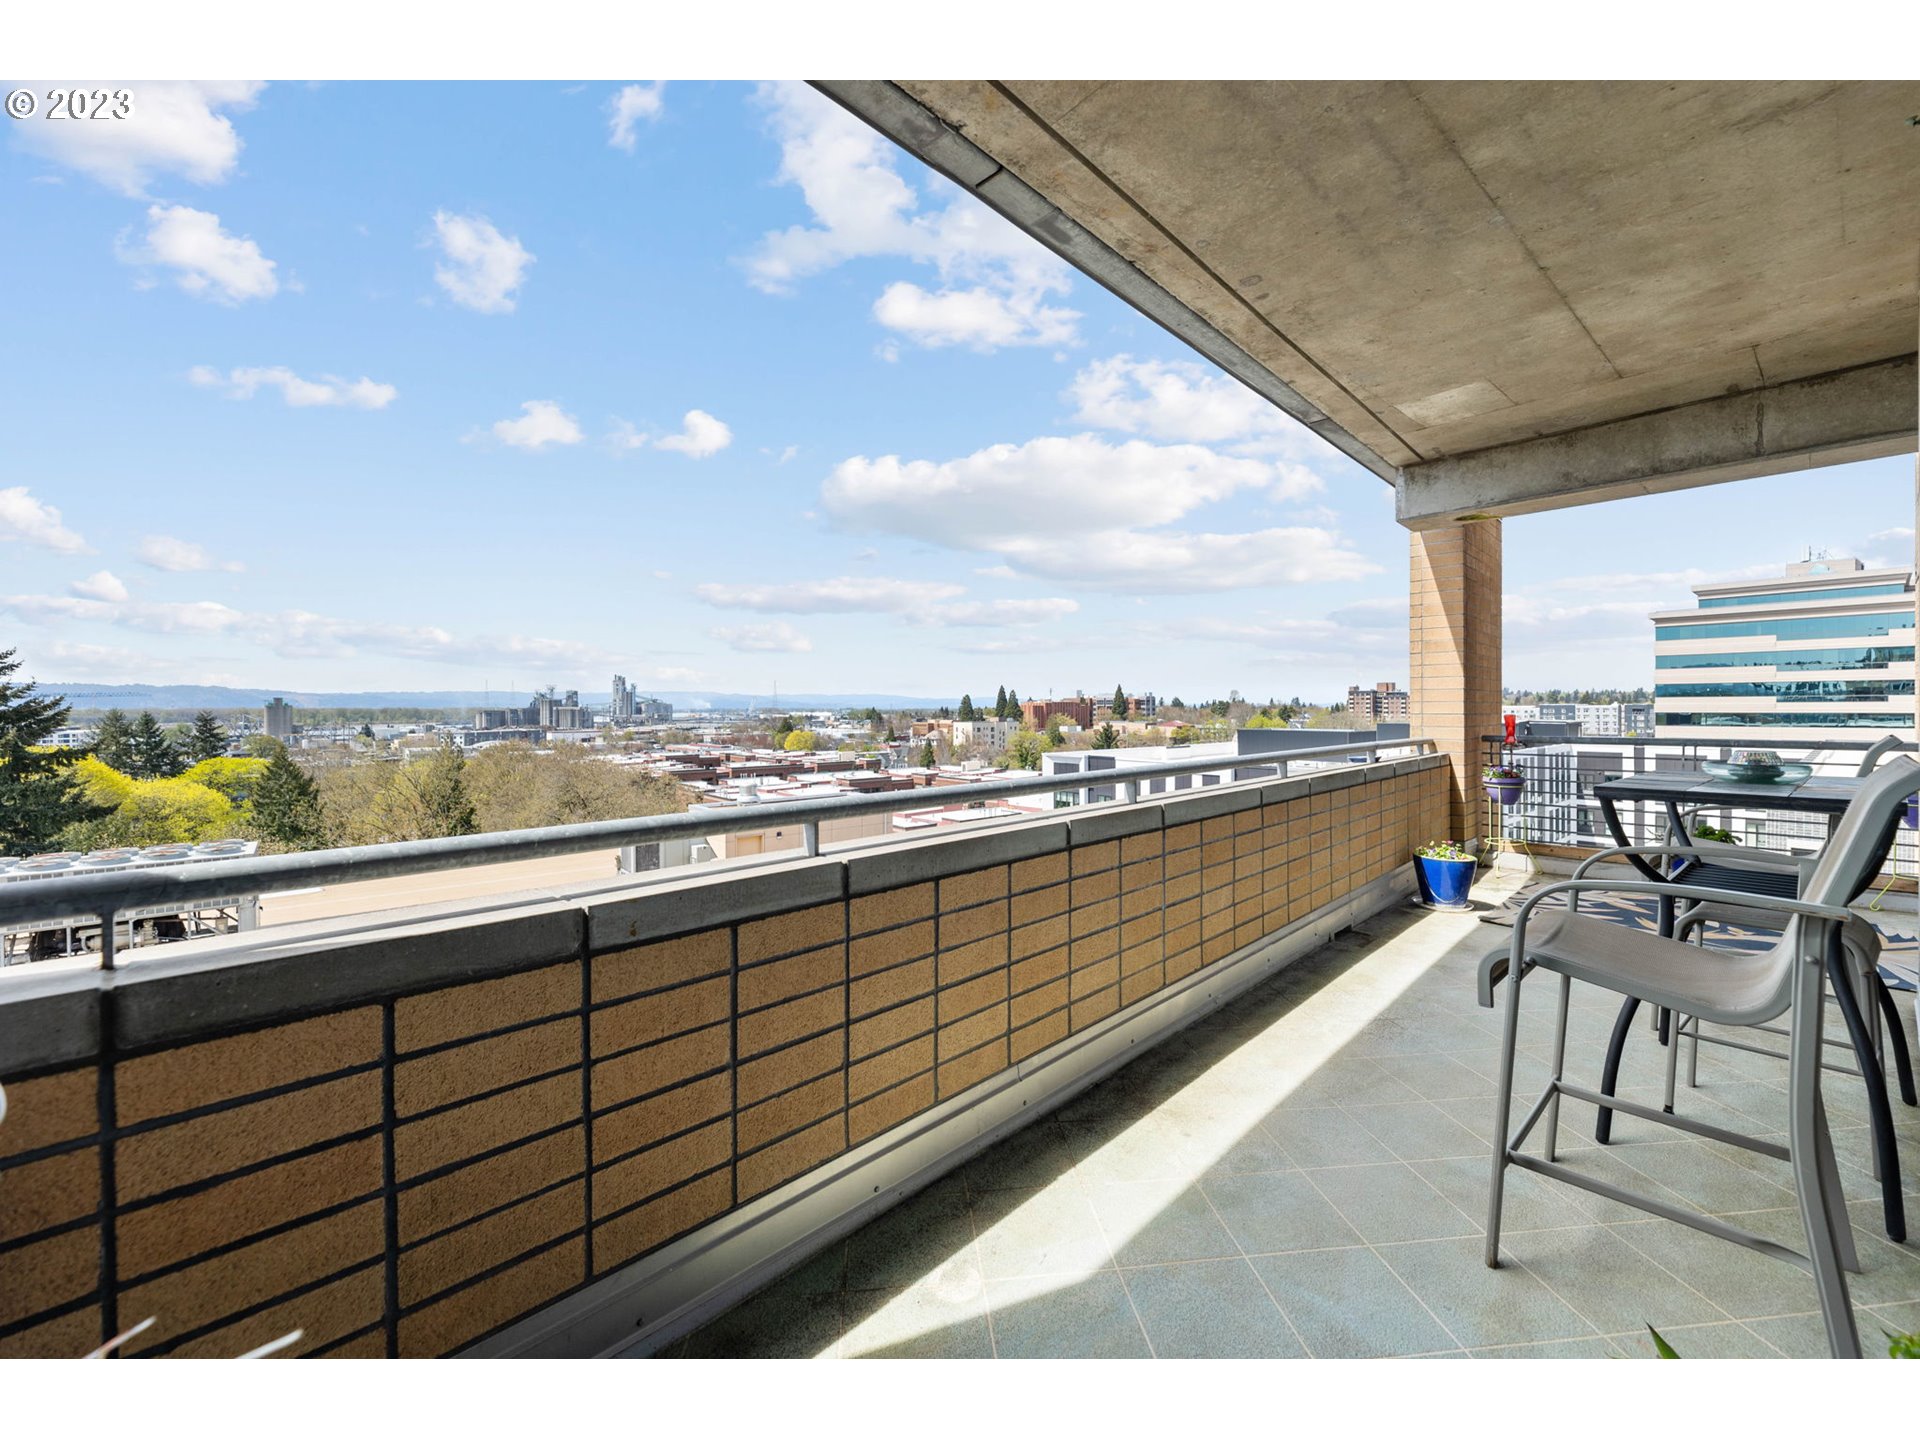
[927, 757]
[1181, 735]
[1106, 737]
[965, 712]
[208, 739]
[1025, 749]
[112, 739]
[366, 732]
[286, 804]
[1055, 737]
[1177, 703]
[1000, 704]
[785, 727]
[1220, 708]
[152, 755]
[39, 795]
[1120, 701]
[428, 799]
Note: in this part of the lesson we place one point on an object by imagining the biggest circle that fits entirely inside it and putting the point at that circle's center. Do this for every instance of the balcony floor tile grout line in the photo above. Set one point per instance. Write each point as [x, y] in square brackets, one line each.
[1113, 1263]
[1376, 1247]
[1247, 1260]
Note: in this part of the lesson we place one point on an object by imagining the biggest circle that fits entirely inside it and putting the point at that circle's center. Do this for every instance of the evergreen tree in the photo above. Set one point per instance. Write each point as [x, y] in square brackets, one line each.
[286, 804]
[1177, 703]
[366, 732]
[1013, 705]
[927, 757]
[111, 740]
[209, 738]
[440, 794]
[965, 712]
[38, 796]
[151, 754]
[1106, 737]
[1000, 704]
[1120, 702]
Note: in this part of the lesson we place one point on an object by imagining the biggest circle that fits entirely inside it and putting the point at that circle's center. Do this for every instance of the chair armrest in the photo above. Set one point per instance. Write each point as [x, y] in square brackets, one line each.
[1516, 962]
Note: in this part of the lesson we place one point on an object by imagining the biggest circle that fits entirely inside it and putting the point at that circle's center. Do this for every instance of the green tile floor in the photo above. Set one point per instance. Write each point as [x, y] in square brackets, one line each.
[1304, 1174]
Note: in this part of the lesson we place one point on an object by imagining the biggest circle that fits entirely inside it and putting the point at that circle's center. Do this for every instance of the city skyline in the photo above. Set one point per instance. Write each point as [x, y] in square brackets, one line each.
[708, 384]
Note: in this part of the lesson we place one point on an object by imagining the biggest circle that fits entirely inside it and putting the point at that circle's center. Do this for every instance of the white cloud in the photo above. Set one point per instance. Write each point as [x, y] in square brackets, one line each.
[979, 317]
[37, 523]
[776, 637]
[787, 454]
[996, 495]
[541, 424]
[1897, 532]
[482, 267]
[625, 437]
[630, 105]
[700, 436]
[1185, 563]
[165, 552]
[299, 634]
[1181, 401]
[846, 595]
[241, 384]
[994, 279]
[971, 613]
[1031, 505]
[175, 128]
[209, 263]
[101, 585]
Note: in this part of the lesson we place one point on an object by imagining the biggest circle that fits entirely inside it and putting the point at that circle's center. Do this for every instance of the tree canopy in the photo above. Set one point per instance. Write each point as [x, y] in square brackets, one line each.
[39, 794]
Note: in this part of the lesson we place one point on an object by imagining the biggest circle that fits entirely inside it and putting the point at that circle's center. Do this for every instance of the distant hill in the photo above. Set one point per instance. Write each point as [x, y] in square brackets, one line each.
[222, 697]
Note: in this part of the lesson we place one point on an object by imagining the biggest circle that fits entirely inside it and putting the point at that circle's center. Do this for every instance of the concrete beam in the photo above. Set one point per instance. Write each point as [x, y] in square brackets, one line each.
[1863, 413]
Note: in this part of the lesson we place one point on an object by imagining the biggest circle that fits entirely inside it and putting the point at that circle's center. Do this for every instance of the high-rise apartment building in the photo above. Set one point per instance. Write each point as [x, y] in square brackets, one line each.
[1382, 702]
[1826, 652]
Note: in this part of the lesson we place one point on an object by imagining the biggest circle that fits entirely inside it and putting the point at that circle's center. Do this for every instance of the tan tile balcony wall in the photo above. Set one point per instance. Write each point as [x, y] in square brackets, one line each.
[403, 1138]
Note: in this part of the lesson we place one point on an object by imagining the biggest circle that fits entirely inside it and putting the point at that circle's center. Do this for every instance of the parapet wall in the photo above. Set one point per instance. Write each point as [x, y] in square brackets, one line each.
[402, 1138]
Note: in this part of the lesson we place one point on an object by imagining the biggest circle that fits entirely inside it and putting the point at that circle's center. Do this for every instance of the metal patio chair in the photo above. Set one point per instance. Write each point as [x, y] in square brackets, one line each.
[1788, 978]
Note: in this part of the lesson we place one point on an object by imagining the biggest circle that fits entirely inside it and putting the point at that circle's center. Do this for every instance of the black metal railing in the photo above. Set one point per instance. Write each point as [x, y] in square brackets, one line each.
[1558, 806]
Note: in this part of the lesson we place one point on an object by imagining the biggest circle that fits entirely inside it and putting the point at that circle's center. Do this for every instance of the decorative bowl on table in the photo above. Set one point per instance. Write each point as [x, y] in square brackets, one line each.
[1756, 767]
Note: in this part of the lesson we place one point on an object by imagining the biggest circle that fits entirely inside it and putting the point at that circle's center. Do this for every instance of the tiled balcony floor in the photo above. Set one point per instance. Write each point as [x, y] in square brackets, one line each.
[1304, 1174]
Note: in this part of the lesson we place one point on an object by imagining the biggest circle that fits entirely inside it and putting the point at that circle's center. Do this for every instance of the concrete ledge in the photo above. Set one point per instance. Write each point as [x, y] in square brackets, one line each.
[701, 902]
[936, 856]
[1091, 825]
[279, 977]
[1321, 781]
[1208, 803]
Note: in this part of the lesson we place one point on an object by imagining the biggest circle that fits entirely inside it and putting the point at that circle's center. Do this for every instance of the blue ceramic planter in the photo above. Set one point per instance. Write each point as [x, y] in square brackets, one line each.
[1504, 792]
[1444, 883]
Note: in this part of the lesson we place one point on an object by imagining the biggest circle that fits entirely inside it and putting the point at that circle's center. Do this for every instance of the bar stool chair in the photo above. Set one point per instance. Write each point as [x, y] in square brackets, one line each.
[1738, 989]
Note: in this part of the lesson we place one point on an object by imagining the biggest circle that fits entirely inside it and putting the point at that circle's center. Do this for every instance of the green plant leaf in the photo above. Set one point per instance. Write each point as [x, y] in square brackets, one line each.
[1660, 1347]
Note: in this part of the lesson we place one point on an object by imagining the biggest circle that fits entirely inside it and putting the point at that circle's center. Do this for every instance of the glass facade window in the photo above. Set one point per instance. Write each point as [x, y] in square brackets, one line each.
[1783, 720]
[1844, 657]
[1849, 592]
[1813, 627]
[1798, 692]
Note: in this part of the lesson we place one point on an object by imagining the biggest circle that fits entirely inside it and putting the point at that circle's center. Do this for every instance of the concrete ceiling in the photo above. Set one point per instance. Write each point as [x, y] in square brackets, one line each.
[1502, 296]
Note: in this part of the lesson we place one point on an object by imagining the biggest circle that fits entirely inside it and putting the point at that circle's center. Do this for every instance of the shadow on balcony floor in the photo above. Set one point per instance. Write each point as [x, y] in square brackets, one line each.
[1304, 1174]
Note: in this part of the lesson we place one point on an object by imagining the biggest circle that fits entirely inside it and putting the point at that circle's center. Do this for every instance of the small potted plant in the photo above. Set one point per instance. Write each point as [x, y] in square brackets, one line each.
[1504, 783]
[1444, 872]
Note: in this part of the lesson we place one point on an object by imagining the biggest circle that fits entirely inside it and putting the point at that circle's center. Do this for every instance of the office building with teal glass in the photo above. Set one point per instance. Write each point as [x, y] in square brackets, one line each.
[1823, 653]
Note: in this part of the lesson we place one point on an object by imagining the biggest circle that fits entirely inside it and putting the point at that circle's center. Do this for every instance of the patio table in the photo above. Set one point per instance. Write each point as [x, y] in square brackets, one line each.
[1817, 794]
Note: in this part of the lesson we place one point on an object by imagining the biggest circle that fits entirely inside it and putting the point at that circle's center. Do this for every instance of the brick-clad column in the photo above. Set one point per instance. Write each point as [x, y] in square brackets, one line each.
[1454, 632]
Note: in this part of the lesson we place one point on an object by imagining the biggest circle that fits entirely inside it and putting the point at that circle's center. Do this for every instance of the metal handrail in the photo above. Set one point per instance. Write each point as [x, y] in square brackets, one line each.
[106, 895]
[1641, 742]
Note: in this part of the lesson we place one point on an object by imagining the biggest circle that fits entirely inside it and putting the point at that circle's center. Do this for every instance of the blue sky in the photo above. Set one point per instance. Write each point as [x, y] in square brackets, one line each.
[443, 386]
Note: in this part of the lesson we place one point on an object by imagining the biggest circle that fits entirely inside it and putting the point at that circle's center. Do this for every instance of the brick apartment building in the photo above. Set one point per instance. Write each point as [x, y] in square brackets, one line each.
[1381, 703]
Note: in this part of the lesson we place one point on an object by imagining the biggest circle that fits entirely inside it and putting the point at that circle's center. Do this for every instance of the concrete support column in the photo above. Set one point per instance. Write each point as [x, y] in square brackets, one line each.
[1454, 677]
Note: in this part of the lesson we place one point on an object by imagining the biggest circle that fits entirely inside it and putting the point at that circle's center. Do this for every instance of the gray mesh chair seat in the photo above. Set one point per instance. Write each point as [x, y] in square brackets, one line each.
[1789, 978]
[1731, 989]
